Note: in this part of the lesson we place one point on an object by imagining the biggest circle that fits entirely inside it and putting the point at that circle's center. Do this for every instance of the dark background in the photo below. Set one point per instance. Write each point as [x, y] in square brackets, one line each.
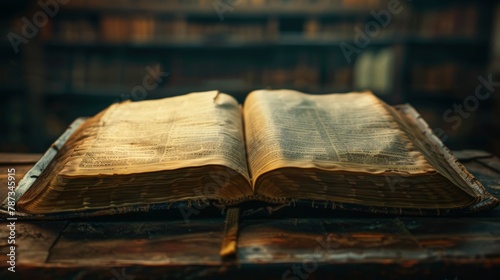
[79, 57]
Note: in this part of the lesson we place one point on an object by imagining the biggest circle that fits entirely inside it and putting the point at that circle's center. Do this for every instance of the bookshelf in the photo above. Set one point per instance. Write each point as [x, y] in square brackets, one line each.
[95, 52]
[258, 44]
[13, 123]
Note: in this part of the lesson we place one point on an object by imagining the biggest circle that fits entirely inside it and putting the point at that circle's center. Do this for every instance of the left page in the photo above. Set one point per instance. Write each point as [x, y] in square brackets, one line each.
[158, 151]
[190, 130]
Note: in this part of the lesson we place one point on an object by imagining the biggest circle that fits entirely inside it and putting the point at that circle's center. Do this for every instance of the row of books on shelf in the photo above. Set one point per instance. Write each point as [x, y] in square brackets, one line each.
[148, 29]
[455, 21]
[68, 71]
[453, 78]
[86, 72]
[145, 29]
[224, 4]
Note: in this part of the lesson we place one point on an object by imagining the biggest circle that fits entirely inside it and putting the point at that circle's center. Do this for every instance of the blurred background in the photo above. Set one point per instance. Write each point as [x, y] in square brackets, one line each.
[69, 58]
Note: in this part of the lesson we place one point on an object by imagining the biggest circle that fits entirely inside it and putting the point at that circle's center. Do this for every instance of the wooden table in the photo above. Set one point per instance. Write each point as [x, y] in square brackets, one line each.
[291, 244]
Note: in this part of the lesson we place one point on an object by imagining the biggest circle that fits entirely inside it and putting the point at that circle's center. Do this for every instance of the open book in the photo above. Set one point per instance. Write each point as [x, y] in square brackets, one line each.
[349, 151]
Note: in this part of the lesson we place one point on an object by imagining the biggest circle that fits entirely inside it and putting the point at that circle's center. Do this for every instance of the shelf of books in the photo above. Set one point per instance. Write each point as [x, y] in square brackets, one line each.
[253, 8]
[190, 34]
[403, 51]
[93, 46]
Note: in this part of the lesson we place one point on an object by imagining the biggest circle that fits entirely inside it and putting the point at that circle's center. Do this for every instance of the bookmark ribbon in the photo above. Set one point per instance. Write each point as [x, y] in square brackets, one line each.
[229, 242]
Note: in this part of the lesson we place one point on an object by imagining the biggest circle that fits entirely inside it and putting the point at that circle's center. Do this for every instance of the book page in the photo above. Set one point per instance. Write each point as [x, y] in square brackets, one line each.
[190, 130]
[345, 132]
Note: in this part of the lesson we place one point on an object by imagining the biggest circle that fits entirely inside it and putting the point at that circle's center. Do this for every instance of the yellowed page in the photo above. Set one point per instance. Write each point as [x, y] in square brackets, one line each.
[191, 130]
[345, 132]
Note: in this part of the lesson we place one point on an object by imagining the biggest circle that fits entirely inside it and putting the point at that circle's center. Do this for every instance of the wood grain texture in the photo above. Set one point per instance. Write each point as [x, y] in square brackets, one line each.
[159, 243]
[9, 158]
[33, 241]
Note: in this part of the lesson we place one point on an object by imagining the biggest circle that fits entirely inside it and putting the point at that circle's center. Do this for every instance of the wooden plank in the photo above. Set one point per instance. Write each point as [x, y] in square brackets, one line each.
[281, 240]
[464, 240]
[139, 243]
[124, 272]
[33, 241]
[17, 158]
[360, 248]
[331, 240]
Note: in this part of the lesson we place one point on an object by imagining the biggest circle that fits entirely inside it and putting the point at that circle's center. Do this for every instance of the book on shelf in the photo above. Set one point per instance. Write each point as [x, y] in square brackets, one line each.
[458, 21]
[282, 147]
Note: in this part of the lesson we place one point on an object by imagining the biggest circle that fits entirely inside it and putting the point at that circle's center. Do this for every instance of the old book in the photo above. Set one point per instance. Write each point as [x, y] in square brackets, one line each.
[348, 151]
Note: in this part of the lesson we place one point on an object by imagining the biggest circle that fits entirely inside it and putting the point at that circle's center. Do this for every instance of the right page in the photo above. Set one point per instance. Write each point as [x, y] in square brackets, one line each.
[345, 148]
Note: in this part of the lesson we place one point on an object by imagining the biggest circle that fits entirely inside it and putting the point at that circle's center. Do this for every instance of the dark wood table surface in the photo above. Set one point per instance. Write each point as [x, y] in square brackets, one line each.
[291, 244]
